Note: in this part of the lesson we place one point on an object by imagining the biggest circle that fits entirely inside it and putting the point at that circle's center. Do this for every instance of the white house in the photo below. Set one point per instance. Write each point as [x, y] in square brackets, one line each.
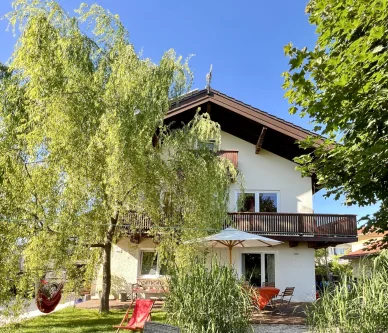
[278, 202]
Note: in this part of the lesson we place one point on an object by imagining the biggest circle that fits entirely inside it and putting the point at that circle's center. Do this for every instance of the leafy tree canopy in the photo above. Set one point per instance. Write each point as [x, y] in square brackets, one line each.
[79, 114]
[342, 85]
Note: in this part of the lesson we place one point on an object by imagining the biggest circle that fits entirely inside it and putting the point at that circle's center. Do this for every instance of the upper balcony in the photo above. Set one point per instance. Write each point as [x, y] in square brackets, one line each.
[319, 230]
[297, 227]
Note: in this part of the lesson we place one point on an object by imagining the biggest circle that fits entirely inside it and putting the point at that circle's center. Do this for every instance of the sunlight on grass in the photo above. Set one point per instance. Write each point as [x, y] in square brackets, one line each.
[74, 321]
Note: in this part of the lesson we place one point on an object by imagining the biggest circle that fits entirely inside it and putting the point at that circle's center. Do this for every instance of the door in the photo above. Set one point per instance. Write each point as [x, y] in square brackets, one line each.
[251, 264]
[258, 268]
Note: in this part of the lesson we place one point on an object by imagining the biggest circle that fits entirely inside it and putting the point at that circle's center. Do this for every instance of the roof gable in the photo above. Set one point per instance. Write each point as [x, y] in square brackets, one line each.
[230, 112]
[243, 121]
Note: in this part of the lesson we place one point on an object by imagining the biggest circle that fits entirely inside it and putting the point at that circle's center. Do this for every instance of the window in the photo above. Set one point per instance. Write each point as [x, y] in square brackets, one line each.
[258, 268]
[246, 202]
[335, 251]
[209, 145]
[150, 264]
[257, 201]
[268, 202]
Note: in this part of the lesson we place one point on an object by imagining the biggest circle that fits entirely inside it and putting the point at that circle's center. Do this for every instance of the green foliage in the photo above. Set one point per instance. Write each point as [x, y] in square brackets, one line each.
[354, 307]
[72, 320]
[79, 114]
[333, 265]
[340, 269]
[208, 298]
[342, 85]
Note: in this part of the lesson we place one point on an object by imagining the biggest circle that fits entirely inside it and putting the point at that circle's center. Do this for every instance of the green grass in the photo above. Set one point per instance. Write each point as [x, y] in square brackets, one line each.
[74, 321]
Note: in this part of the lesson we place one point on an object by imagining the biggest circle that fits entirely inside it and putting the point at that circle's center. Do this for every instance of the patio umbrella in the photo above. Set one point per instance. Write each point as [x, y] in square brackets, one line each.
[231, 238]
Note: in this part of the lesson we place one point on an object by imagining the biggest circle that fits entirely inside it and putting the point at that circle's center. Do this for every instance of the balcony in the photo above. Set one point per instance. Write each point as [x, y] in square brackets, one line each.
[293, 227]
[298, 227]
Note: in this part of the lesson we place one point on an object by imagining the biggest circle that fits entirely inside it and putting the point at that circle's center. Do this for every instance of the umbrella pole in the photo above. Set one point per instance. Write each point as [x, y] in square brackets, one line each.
[230, 254]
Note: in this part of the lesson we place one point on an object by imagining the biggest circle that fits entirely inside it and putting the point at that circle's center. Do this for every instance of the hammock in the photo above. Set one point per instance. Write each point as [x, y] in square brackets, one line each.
[49, 296]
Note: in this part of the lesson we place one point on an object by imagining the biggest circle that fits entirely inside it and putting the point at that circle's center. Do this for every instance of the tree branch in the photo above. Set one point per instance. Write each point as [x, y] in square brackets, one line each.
[95, 245]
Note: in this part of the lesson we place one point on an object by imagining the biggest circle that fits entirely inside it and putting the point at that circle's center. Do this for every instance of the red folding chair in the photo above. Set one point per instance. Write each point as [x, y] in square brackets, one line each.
[141, 314]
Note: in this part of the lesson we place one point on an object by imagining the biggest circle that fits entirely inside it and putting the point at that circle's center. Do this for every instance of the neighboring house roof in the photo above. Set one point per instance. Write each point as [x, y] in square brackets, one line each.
[360, 254]
[360, 232]
[367, 249]
[243, 121]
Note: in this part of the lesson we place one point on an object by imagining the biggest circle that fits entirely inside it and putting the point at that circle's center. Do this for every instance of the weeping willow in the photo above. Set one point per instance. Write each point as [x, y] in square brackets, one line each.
[79, 114]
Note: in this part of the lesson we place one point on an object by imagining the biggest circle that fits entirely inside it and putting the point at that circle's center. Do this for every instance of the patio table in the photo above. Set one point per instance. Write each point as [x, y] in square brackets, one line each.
[265, 295]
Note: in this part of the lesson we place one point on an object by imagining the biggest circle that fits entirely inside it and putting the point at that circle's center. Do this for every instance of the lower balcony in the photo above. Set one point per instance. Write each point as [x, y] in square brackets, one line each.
[319, 230]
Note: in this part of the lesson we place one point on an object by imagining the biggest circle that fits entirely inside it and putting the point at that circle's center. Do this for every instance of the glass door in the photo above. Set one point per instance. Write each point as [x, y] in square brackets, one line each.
[251, 263]
[258, 268]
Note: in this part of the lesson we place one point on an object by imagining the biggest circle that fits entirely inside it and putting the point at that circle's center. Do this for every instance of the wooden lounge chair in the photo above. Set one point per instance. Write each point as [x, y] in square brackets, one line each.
[141, 314]
[268, 284]
[285, 298]
[152, 327]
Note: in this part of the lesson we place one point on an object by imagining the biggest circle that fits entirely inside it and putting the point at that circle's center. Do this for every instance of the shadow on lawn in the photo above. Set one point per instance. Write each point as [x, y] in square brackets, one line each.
[74, 321]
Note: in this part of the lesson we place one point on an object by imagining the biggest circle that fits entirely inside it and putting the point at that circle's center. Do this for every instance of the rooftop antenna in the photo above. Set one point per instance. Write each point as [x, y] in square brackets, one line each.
[209, 79]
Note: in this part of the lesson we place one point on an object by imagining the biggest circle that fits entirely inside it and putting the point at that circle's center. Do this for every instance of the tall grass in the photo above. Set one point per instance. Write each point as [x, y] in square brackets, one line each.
[207, 299]
[350, 307]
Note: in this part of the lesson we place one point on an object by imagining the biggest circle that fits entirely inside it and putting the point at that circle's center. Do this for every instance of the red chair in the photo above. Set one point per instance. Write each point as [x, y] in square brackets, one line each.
[141, 314]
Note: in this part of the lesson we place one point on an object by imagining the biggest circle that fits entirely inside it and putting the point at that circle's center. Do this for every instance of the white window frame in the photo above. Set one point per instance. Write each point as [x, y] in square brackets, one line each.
[257, 197]
[262, 253]
[149, 276]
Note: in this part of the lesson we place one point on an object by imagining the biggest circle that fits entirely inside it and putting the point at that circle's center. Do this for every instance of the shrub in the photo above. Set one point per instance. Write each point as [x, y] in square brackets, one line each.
[351, 307]
[207, 299]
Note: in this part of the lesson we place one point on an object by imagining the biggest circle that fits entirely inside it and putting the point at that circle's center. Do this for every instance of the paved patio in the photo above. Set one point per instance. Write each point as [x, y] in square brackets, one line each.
[293, 315]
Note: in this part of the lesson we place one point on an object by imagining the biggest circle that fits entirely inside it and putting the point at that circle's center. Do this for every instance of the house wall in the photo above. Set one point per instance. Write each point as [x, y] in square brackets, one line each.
[294, 267]
[269, 172]
[124, 265]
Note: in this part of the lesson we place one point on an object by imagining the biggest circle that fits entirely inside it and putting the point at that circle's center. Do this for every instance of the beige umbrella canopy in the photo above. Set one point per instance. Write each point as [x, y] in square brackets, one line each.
[231, 238]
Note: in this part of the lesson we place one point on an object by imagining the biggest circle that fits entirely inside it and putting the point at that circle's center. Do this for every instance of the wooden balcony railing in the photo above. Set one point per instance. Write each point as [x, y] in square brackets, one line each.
[295, 224]
[280, 224]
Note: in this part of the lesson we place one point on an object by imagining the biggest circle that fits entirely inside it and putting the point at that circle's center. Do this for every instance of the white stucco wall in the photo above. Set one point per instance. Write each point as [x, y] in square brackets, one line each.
[124, 265]
[269, 172]
[294, 267]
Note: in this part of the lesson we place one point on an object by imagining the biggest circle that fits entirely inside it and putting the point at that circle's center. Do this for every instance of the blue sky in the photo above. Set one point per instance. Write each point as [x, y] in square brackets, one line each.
[243, 40]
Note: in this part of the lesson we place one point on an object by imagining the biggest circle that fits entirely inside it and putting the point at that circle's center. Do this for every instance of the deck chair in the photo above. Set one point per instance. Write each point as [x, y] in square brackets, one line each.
[152, 327]
[141, 314]
[285, 298]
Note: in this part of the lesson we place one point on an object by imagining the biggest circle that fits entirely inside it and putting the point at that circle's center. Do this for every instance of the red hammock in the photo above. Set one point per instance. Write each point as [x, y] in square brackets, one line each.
[49, 296]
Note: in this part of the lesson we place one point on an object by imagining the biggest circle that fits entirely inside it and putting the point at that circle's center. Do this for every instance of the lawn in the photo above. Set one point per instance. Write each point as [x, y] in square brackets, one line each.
[74, 321]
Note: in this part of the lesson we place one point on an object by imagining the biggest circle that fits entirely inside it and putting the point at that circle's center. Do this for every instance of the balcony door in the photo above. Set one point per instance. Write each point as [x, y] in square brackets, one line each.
[258, 268]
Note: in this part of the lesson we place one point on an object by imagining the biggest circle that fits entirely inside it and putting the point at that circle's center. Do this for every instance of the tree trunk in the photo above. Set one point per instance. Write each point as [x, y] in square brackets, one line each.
[106, 261]
[106, 278]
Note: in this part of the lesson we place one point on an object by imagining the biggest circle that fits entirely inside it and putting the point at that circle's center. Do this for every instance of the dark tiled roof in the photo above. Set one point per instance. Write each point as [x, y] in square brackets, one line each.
[195, 93]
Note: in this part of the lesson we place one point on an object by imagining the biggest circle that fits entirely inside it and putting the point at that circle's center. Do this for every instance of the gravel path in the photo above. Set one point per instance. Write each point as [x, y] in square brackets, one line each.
[280, 329]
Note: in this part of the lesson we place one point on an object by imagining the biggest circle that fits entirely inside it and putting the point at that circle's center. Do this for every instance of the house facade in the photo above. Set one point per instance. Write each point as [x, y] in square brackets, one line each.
[278, 202]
